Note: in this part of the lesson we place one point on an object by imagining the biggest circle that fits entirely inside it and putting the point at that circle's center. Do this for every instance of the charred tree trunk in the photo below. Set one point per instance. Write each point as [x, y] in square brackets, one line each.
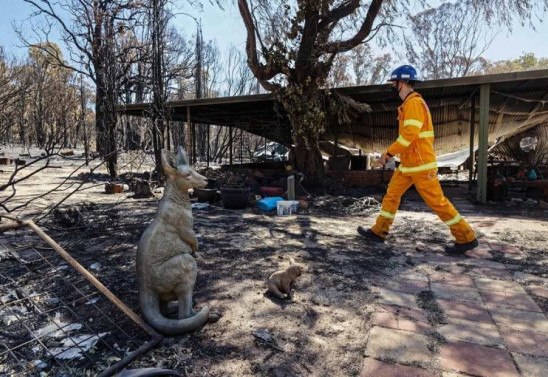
[100, 112]
[309, 160]
[105, 119]
[158, 112]
[305, 109]
[201, 136]
[83, 119]
[106, 98]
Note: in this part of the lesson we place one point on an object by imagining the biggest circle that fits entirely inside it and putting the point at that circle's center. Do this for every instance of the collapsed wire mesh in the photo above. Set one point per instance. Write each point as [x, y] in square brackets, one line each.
[53, 320]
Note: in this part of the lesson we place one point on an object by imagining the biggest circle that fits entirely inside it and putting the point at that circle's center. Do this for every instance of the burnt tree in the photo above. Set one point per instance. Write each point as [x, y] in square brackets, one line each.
[291, 47]
[297, 63]
[90, 31]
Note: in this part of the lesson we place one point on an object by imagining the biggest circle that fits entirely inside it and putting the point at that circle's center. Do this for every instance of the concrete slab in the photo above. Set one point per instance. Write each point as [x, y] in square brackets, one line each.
[504, 247]
[480, 252]
[529, 342]
[477, 360]
[465, 310]
[511, 300]
[531, 366]
[390, 297]
[538, 290]
[407, 286]
[401, 346]
[451, 279]
[376, 368]
[499, 285]
[413, 275]
[483, 263]
[400, 318]
[457, 330]
[492, 273]
[455, 292]
[520, 319]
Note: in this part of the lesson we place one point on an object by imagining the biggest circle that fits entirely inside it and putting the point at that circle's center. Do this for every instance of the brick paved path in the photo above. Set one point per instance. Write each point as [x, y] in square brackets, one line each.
[455, 317]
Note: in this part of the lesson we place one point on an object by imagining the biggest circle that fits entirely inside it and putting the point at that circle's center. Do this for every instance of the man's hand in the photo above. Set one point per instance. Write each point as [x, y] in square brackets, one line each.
[384, 159]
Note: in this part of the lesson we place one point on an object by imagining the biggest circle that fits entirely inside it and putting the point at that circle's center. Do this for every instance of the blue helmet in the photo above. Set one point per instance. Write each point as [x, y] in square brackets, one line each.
[404, 73]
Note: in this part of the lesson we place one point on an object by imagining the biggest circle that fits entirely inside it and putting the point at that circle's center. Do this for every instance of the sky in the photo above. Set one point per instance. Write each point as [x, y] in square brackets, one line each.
[226, 28]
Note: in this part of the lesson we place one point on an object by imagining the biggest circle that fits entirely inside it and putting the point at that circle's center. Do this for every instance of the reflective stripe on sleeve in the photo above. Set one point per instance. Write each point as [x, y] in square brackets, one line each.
[426, 134]
[403, 142]
[416, 169]
[412, 122]
[454, 220]
[388, 215]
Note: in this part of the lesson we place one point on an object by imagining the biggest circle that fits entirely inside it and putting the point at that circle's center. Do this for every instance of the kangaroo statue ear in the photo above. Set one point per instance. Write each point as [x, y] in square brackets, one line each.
[167, 163]
[182, 158]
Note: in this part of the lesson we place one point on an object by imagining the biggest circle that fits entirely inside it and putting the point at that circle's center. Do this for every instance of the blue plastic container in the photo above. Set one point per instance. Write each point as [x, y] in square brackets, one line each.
[268, 204]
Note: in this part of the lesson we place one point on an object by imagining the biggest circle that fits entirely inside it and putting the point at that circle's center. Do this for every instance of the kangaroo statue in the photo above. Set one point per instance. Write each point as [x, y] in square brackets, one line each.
[166, 269]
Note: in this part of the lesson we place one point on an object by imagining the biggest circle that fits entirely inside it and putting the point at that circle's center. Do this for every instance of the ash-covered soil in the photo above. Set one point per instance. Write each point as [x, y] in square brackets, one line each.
[323, 331]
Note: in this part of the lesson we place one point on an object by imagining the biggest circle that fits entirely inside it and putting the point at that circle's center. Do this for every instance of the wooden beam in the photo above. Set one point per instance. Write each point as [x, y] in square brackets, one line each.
[208, 140]
[481, 194]
[230, 145]
[472, 135]
[194, 143]
[188, 138]
[241, 145]
[336, 151]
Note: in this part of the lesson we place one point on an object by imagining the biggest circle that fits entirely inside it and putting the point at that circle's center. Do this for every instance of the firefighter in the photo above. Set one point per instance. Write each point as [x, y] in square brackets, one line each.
[418, 166]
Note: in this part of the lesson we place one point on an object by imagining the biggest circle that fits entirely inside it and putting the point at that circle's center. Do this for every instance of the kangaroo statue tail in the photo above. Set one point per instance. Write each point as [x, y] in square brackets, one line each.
[150, 307]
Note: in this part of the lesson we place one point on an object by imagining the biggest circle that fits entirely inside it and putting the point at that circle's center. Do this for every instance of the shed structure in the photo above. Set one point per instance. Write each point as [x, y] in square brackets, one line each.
[468, 112]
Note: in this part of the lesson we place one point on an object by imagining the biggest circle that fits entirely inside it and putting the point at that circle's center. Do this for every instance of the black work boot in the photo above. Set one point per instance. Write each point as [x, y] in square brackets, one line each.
[369, 235]
[461, 248]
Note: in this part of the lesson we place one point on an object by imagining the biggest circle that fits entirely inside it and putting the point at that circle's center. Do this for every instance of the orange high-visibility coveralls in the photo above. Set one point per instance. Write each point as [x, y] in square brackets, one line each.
[415, 145]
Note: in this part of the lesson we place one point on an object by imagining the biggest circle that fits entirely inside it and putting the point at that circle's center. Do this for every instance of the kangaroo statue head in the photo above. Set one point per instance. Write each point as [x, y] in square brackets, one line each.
[179, 172]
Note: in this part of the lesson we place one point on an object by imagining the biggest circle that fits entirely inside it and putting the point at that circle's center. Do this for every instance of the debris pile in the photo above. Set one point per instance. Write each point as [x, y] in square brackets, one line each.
[67, 217]
[224, 177]
[343, 205]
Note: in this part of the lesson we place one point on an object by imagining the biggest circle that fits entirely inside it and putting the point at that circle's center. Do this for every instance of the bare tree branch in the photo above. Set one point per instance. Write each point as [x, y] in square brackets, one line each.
[262, 72]
[363, 32]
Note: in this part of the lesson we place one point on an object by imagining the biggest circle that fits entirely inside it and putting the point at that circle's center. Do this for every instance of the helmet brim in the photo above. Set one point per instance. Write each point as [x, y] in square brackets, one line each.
[404, 80]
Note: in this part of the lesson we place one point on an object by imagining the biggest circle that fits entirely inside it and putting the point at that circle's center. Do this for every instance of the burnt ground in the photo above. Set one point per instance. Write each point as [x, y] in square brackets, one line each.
[323, 331]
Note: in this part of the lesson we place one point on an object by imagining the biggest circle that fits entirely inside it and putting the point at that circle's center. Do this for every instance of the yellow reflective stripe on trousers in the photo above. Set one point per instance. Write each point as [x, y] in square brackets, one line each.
[416, 169]
[426, 134]
[454, 220]
[388, 215]
[403, 142]
[412, 122]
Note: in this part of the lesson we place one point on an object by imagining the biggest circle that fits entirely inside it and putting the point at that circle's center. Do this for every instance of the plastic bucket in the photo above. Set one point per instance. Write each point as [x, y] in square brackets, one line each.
[269, 203]
[206, 195]
[235, 197]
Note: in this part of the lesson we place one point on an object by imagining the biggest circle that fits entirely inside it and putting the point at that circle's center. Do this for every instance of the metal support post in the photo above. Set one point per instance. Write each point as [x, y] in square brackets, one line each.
[472, 136]
[481, 194]
[230, 145]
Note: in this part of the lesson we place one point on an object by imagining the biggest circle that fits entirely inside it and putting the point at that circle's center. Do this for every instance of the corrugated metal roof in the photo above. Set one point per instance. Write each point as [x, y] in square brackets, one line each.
[510, 146]
[519, 101]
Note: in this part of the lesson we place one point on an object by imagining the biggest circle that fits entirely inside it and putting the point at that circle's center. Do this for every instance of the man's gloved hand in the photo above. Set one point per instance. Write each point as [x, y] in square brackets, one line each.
[384, 159]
